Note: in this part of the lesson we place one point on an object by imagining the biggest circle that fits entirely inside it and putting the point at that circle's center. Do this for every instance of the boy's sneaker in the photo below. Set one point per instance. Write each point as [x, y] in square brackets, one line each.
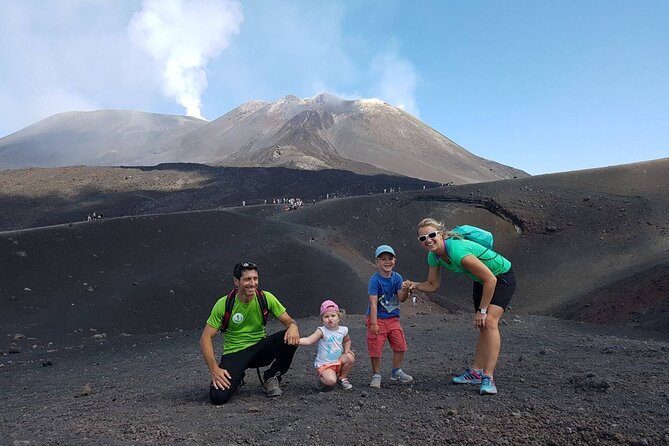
[469, 377]
[344, 384]
[401, 377]
[376, 381]
[488, 386]
[272, 386]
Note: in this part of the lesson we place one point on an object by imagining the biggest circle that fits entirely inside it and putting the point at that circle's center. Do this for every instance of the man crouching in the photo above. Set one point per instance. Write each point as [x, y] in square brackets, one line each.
[241, 316]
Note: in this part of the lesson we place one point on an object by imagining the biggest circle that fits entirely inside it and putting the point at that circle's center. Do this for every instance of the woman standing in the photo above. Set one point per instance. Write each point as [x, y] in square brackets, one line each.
[494, 284]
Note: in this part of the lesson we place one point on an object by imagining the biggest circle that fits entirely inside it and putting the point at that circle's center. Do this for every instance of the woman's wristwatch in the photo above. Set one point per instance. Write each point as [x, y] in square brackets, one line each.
[483, 311]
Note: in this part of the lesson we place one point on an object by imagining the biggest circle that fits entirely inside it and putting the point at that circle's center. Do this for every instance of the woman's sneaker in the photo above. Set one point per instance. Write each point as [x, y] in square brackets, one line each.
[469, 377]
[344, 384]
[376, 381]
[401, 377]
[488, 386]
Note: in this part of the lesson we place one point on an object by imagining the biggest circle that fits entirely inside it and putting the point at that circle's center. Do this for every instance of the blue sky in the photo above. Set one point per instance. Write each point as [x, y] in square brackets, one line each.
[544, 86]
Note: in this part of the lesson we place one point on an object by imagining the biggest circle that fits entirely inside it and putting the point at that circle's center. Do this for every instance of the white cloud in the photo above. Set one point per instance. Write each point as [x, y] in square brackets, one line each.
[304, 50]
[396, 81]
[284, 47]
[67, 55]
[62, 55]
[182, 36]
[393, 80]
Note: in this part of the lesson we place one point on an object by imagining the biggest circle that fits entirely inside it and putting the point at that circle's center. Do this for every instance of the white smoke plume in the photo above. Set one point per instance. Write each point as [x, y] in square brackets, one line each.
[183, 36]
[397, 81]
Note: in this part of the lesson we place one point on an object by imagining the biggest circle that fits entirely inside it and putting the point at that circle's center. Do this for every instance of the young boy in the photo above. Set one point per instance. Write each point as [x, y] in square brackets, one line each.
[383, 316]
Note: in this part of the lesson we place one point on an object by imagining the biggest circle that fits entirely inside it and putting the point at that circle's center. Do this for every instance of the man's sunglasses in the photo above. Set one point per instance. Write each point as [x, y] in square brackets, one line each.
[244, 265]
[422, 238]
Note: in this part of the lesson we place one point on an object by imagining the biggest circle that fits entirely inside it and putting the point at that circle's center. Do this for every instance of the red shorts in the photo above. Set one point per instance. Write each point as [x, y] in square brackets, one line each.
[388, 328]
[336, 366]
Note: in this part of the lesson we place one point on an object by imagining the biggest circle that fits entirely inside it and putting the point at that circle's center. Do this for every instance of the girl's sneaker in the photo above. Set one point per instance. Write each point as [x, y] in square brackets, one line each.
[469, 377]
[344, 384]
[488, 386]
[401, 377]
[376, 381]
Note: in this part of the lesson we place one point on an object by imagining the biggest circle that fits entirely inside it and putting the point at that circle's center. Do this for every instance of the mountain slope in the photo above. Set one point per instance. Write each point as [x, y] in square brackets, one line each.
[33, 198]
[96, 138]
[324, 132]
[588, 245]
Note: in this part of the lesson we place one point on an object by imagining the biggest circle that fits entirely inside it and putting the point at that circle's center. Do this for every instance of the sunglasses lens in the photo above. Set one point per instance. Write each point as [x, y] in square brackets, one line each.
[244, 265]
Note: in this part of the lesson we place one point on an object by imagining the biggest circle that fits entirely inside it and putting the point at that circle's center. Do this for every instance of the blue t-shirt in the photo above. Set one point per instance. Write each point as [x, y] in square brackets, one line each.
[385, 289]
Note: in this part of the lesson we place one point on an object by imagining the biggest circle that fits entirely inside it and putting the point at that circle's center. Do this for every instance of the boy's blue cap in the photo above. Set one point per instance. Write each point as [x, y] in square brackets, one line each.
[384, 248]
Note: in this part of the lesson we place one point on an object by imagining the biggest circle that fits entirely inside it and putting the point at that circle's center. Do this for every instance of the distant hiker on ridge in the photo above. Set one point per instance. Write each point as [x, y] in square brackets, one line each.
[494, 285]
[241, 316]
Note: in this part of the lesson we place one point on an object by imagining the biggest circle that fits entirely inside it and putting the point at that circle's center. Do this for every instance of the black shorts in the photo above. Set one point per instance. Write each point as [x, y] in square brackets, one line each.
[506, 286]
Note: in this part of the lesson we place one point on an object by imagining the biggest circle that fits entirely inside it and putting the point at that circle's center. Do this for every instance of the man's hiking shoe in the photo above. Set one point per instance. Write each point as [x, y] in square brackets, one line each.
[401, 377]
[376, 381]
[343, 383]
[469, 377]
[488, 386]
[272, 386]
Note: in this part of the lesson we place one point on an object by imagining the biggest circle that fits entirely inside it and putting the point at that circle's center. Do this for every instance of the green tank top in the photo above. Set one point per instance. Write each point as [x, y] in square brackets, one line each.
[457, 249]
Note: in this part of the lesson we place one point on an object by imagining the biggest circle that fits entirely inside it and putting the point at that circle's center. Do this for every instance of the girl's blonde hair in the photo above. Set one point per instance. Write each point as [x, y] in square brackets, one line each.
[439, 226]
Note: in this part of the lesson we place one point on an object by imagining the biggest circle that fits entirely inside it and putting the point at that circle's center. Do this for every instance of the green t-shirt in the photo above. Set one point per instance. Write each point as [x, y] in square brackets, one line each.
[246, 327]
[457, 249]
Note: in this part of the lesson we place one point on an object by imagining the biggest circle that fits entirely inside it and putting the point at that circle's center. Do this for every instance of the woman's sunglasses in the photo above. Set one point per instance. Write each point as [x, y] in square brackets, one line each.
[422, 238]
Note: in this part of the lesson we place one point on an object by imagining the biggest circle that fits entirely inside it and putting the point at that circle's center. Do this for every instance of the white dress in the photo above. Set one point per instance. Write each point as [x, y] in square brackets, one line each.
[330, 345]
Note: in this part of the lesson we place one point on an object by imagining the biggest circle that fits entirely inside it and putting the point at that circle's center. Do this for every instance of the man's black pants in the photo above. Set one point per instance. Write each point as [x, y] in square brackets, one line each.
[271, 350]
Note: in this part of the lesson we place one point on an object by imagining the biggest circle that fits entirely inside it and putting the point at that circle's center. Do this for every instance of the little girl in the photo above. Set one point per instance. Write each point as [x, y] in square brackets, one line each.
[334, 358]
